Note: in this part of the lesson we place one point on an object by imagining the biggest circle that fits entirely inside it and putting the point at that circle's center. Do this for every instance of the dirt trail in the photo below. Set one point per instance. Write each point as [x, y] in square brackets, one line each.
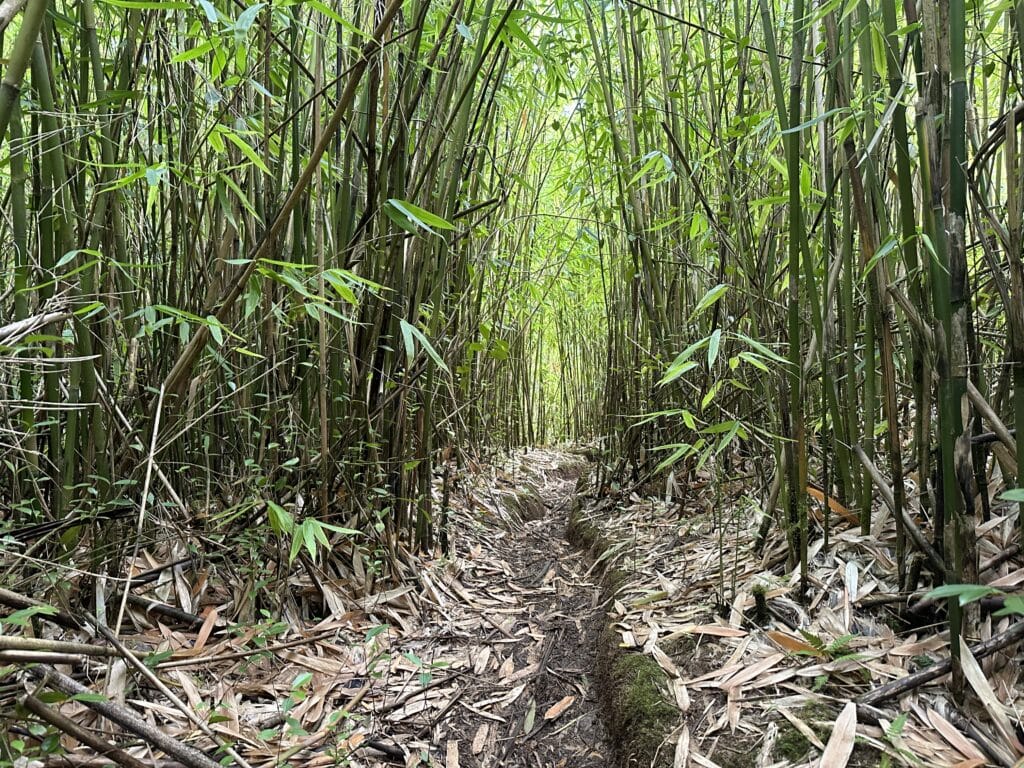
[536, 661]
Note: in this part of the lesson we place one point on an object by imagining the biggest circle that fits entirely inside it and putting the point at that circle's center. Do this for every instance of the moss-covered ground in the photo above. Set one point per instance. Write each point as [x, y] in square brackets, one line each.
[638, 713]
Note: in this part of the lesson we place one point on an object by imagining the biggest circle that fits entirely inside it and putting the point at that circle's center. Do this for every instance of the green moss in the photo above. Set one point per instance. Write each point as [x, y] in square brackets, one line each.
[631, 686]
[791, 745]
[584, 535]
[524, 503]
[638, 713]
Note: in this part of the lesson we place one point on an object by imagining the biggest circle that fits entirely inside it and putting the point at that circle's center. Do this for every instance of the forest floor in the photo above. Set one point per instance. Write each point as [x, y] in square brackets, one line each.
[531, 701]
[640, 643]
[481, 658]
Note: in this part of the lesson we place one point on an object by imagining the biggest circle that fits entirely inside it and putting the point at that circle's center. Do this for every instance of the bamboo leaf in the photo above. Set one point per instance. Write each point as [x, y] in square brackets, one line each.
[411, 335]
[419, 217]
[148, 5]
[713, 343]
[193, 53]
[712, 296]
[246, 150]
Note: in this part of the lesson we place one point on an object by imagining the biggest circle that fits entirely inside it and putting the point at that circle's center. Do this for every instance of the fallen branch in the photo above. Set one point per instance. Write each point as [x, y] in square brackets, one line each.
[937, 563]
[906, 684]
[186, 754]
[77, 732]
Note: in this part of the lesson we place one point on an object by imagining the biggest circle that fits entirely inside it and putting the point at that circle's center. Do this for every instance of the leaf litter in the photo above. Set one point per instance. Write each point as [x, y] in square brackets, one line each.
[484, 657]
[690, 603]
[481, 658]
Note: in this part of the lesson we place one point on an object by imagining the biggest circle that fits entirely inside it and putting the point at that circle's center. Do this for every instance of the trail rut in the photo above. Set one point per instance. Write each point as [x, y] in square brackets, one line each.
[531, 699]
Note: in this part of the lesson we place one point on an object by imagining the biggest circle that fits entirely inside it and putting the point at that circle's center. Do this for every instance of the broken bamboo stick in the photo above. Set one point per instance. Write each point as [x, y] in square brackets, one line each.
[908, 522]
[906, 684]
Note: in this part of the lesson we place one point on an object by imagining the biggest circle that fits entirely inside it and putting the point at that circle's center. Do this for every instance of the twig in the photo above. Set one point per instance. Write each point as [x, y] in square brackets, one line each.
[903, 685]
[934, 558]
[170, 611]
[435, 683]
[73, 729]
[142, 503]
[11, 332]
[124, 717]
[18, 643]
[75, 760]
[997, 560]
[175, 663]
[147, 577]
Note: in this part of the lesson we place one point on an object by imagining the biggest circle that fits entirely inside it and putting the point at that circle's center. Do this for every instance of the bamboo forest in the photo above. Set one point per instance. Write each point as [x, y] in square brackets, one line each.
[485, 383]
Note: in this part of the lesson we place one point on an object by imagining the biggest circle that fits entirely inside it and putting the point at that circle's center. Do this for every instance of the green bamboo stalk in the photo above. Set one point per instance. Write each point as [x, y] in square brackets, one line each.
[19, 60]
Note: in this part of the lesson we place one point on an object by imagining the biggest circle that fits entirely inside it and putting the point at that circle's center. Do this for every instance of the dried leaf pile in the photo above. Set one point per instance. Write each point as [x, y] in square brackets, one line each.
[749, 688]
[478, 659]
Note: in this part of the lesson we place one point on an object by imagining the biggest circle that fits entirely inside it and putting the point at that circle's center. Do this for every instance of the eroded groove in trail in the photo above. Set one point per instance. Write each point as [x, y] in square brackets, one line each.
[531, 698]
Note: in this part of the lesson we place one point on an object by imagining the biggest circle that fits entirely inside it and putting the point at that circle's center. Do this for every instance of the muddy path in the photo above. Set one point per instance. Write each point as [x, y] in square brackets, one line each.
[531, 699]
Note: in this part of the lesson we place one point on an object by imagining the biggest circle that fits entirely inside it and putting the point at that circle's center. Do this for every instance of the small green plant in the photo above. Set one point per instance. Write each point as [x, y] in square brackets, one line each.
[40, 742]
[1013, 605]
[310, 533]
[892, 735]
[836, 650]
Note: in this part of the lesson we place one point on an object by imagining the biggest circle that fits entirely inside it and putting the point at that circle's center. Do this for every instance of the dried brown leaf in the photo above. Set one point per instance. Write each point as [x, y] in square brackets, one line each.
[840, 743]
[558, 708]
[479, 739]
[792, 644]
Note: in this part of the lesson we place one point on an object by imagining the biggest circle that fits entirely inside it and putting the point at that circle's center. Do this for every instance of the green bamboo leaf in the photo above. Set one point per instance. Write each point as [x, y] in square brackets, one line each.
[281, 521]
[1013, 605]
[679, 451]
[713, 343]
[246, 150]
[965, 593]
[341, 287]
[883, 250]
[651, 161]
[410, 335]
[815, 120]
[209, 10]
[216, 329]
[337, 18]
[762, 349]
[149, 5]
[193, 53]
[420, 217]
[296, 544]
[246, 19]
[676, 370]
[341, 530]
